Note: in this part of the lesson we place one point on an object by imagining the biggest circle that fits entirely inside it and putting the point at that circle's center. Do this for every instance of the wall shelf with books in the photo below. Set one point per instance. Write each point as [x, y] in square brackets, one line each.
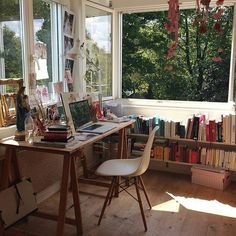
[200, 142]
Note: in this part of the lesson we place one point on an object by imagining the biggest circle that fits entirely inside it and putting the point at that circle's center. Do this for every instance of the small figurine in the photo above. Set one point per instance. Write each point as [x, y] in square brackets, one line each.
[22, 109]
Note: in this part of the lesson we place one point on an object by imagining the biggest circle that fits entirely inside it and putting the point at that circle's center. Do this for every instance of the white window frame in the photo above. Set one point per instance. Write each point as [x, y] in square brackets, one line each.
[28, 42]
[224, 106]
[100, 7]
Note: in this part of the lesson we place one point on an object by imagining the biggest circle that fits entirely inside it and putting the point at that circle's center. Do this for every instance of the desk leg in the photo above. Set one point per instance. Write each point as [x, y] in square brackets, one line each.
[121, 143]
[75, 191]
[63, 195]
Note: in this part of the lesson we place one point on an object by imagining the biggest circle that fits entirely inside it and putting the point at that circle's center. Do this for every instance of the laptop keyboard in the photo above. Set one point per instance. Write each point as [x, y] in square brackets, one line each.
[92, 127]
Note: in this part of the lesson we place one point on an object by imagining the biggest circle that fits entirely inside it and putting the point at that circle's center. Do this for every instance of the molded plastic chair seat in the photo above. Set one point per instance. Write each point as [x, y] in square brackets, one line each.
[130, 168]
[119, 167]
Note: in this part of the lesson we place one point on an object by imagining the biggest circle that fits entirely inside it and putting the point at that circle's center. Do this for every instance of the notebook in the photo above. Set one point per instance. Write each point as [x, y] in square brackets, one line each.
[82, 119]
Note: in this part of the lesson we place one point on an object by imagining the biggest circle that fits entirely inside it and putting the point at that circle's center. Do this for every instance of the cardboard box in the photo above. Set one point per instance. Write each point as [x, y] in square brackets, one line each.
[218, 179]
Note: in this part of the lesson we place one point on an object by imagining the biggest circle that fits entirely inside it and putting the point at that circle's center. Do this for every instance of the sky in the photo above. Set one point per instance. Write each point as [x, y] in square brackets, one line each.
[16, 26]
[100, 28]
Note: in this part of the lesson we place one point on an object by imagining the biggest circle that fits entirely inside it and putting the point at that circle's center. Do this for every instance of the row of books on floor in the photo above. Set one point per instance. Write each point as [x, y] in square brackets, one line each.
[197, 128]
[182, 153]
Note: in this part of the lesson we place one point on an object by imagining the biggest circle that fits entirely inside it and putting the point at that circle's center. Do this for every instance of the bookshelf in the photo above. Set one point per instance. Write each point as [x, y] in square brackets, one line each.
[207, 143]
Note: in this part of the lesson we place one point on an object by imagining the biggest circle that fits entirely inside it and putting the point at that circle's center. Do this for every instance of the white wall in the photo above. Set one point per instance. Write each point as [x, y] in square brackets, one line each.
[173, 110]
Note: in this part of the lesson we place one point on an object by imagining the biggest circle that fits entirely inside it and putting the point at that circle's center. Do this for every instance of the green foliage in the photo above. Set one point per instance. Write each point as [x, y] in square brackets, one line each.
[195, 77]
[12, 54]
[42, 11]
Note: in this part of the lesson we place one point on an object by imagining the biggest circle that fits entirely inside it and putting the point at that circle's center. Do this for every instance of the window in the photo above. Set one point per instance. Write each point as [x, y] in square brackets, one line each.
[10, 42]
[47, 49]
[191, 75]
[45, 19]
[98, 76]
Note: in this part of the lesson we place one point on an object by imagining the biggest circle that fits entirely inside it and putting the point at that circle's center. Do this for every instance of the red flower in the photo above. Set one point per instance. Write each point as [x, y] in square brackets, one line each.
[218, 14]
[219, 2]
[202, 28]
[216, 59]
[217, 27]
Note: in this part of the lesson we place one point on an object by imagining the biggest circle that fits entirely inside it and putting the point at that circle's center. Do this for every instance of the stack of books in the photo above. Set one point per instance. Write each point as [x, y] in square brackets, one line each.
[58, 133]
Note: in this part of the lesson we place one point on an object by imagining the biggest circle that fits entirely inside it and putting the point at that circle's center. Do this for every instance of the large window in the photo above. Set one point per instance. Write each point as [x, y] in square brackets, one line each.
[98, 51]
[199, 70]
[45, 44]
[10, 41]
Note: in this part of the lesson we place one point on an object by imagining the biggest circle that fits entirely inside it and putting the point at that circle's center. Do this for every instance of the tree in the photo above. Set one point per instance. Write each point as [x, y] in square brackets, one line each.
[195, 76]
[12, 54]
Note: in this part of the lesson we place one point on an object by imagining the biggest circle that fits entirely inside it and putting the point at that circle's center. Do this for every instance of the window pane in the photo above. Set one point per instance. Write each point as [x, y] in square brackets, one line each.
[191, 75]
[42, 48]
[10, 42]
[99, 51]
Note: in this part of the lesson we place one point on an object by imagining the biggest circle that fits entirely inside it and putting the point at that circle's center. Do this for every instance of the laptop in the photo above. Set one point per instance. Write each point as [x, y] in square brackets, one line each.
[82, 119]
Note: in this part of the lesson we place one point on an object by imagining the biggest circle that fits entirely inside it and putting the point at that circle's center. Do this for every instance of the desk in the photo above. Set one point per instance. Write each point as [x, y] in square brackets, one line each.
[11, 171]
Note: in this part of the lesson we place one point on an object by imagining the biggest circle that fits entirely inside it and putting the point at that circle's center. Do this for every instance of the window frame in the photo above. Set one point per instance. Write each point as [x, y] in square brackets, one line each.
[28, 42]
[178, 104]
[103, 8]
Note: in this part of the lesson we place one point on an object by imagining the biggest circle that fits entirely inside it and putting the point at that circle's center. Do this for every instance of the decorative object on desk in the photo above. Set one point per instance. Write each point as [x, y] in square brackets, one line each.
[22, 109]
[52, 113]
[29, 129]
[39, 128]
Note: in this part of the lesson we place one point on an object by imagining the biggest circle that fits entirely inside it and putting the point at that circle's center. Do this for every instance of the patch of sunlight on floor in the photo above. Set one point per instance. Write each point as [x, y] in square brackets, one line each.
[202, 205]
[171, 206]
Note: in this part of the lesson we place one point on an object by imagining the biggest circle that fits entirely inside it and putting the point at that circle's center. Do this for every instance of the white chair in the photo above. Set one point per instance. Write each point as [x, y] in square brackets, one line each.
[127, 168]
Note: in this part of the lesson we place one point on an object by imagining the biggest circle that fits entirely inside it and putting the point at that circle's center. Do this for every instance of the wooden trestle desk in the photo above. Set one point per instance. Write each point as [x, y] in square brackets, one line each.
[11, 172]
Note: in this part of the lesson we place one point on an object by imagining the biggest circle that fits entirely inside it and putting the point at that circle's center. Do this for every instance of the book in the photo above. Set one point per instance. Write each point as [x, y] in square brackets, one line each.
[59, 139]
[58, 128]
[57, 135]
[55, 144]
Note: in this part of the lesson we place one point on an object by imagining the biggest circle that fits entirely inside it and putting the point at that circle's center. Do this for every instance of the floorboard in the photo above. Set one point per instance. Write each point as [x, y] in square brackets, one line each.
[178, 209]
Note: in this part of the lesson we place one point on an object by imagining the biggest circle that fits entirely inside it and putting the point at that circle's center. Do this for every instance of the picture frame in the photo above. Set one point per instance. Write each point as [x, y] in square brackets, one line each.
[68, 44]
[69, 23]
[66, 98]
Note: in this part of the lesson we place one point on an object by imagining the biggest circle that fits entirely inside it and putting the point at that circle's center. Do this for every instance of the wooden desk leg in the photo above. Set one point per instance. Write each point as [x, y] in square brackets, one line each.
[125, 145]
[121, 143]
[75, 192]
[63, 195]
[6, 170]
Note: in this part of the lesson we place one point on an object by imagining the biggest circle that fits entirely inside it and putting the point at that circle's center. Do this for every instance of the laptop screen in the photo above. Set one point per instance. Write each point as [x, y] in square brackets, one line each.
[80, 113]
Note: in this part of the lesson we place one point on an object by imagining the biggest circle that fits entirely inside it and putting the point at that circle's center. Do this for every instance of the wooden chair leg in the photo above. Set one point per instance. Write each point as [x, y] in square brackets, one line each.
[140, 202]
[106, 200]
[112, 190]
[145, 191]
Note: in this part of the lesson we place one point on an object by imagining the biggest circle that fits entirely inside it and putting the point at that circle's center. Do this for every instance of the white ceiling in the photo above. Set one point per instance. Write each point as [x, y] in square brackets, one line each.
[129, 4]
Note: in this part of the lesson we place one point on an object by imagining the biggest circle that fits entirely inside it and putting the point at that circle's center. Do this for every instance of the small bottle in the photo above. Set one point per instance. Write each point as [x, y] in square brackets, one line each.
[29, 129]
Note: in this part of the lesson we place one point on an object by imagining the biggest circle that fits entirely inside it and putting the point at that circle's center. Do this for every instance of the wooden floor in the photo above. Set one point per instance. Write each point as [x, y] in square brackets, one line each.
[172, 196]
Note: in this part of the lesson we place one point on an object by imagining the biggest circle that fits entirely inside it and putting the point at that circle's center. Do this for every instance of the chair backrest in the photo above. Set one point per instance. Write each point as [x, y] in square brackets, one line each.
[145, 158]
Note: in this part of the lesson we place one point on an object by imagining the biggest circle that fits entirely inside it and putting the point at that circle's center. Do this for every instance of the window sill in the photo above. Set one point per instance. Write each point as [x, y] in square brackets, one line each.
[7, 131]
